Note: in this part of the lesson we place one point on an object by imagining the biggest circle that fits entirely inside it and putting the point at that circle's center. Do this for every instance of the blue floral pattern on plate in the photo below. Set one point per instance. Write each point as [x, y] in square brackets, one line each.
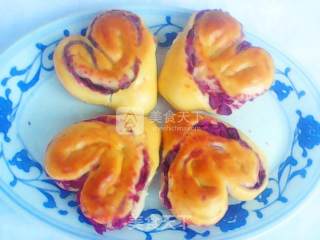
[27, 172]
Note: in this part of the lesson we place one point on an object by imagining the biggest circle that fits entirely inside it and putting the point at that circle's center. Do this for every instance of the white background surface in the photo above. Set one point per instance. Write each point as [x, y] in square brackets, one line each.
[293, 26]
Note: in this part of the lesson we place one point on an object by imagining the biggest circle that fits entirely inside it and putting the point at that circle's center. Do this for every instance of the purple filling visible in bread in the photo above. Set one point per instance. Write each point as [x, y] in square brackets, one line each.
[117, 223]
[243, 46]
[99, 228]
[190, 51]
[261, 177]
[219, 100]
[220, 129]
[72, 185]
[144, 172]
[217, 129]
[171, 155]
[124, 81]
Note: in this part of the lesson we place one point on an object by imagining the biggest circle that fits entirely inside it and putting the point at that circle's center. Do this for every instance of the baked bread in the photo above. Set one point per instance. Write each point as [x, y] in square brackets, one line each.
[204, 160]
[210, 67]
[110, 169]
[113, 65]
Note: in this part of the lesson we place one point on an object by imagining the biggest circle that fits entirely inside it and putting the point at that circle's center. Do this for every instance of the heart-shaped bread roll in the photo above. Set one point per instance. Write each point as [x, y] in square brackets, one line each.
[204, 160]
[113, 65]
[210, 67]
[110, 168]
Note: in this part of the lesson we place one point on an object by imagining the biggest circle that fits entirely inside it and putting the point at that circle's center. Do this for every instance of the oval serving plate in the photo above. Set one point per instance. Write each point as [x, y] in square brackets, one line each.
[34, 107]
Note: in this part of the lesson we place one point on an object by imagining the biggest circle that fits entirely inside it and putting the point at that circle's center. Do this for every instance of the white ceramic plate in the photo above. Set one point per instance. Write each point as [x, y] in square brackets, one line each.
[34, 107]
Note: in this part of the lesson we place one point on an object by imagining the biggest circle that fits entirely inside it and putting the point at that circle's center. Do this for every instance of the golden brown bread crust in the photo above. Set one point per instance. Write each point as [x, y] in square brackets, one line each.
[113, 65]
[203, 160]
[117, 168]
[211, 64]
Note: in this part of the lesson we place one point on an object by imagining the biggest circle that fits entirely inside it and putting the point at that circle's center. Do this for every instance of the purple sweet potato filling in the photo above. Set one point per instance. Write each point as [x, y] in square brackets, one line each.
[243, 46]
[68, 59]
[144, 172]
[219, 100]
[135, 197]
[124, 82]
[72, 185]
[217, 129]
[261, 177]
[117, 223]
[190, 52]
[99, 228]
[171, 155]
